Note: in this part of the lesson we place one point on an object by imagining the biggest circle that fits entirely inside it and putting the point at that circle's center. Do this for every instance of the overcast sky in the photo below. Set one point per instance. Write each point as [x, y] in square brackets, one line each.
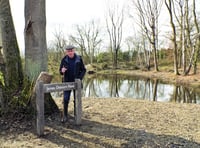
[61, 14]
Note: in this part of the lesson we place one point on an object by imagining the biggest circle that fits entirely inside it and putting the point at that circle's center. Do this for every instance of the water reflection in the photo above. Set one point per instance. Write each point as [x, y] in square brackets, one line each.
[138, 88]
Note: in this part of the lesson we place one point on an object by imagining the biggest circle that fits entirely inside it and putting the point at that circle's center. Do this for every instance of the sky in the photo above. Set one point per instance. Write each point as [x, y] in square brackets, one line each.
[60, 14]
[63, 14]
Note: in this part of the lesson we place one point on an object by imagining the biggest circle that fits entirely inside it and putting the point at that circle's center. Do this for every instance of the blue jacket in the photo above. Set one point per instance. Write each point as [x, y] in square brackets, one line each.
[79, 69]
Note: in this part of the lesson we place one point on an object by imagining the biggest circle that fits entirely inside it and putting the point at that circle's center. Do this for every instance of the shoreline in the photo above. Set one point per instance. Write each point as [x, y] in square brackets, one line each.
[192, 80]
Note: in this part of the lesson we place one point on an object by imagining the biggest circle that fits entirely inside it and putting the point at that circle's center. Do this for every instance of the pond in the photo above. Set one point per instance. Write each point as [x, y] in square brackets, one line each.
[107, 86]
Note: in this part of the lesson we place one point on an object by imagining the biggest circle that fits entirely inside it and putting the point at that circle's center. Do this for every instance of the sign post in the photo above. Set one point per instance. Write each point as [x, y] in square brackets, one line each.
[40, 108]
[78, 103]
[42, 88]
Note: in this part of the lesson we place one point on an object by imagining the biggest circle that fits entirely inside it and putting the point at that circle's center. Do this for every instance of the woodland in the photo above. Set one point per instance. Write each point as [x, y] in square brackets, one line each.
[143, 55]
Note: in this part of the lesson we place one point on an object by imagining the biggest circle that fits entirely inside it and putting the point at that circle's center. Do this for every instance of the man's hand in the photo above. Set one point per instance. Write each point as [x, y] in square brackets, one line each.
[63, 70]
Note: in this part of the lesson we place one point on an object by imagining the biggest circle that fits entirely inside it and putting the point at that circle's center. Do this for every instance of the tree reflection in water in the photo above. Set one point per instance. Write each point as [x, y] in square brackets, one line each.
[105, 86]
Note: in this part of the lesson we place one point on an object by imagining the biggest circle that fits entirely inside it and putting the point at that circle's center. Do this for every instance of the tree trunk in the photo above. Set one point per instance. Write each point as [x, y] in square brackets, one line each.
[13, 76]
[155, 57]
[2, 73]
[49, 104]
[190, 62]
[1, 98]
[197, 43]
[184, 51]
[36, 49]
[168, 4]
[35, 38]
[155, 90]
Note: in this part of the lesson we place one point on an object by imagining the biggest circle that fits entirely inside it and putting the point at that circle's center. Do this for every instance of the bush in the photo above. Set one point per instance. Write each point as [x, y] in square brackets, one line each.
[18, 101]
[104, 57]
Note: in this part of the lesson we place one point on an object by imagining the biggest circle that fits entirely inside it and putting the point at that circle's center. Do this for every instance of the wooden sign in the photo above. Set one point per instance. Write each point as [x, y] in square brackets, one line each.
[42, 88]
[58, 87]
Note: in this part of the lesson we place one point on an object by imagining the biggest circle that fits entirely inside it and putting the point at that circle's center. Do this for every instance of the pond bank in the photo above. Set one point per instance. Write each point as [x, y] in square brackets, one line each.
[114, 123]
[192, 80]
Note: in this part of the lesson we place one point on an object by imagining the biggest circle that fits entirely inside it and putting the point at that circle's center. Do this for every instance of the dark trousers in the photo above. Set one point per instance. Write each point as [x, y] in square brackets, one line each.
[67, 95]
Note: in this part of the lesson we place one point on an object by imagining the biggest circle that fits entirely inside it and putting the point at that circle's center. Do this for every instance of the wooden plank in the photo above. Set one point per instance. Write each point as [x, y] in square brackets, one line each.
[40, 108]
[78, 102]
[58, 87]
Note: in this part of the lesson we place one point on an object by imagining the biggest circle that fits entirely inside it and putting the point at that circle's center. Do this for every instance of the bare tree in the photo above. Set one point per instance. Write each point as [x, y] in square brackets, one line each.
[187, 43]
[148, 12]
[35, 38]
[79, 40]
[138, 44]
[185, 16]
[114, 23]
[58, 45]
[169, 5]
[88, 39]
[178, 10]
[193, 37]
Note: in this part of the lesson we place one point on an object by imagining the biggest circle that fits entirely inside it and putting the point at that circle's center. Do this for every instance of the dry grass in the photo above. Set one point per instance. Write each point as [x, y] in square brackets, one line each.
[115, 123]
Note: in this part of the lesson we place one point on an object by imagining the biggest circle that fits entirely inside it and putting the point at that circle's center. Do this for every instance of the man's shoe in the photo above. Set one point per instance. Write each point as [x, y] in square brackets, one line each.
[64, 119]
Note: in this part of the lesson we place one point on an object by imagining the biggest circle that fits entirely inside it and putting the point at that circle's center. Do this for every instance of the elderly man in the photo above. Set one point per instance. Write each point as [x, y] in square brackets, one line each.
[72, 67]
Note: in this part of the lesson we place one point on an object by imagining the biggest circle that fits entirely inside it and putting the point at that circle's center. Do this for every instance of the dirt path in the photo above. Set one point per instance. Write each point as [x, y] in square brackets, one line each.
[112, 123]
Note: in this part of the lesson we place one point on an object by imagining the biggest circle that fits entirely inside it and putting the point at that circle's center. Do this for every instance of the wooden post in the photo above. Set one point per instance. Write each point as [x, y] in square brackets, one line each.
[40, 108]
[78, 102]
[1, 98]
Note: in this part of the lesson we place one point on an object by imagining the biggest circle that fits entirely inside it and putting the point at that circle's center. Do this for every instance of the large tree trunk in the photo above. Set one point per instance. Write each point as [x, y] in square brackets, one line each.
[13, 75]
[35, 38]
[36, 48]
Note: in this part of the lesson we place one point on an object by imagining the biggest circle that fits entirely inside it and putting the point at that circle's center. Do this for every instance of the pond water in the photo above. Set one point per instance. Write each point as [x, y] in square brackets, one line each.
[106, 86]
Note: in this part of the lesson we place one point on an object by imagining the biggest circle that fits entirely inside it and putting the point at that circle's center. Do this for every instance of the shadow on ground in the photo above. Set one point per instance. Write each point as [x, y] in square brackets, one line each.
[92, 133]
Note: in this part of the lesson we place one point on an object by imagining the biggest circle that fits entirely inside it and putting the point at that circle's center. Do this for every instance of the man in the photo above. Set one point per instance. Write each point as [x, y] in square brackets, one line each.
[72, 67]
